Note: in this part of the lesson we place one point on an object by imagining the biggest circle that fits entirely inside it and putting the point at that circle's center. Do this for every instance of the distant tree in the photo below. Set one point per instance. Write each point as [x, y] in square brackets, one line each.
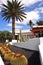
[30, 23]
[5, 35]
[40, 23]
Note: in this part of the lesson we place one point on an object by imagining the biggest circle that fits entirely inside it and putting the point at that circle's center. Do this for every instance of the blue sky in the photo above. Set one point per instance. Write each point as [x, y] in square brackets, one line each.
[34, 11]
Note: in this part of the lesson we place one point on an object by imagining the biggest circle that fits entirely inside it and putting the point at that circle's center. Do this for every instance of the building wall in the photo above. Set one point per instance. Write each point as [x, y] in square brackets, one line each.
[26, 36]
[38, 31]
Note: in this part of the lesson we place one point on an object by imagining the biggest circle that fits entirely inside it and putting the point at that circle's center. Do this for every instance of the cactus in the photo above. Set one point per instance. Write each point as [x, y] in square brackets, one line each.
[20, 35]
[8, 56]
[13, 58]
[22, 60]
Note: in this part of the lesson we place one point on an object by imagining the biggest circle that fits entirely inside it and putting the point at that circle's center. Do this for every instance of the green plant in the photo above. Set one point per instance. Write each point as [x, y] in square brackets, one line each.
[22, 60]
[20, 35]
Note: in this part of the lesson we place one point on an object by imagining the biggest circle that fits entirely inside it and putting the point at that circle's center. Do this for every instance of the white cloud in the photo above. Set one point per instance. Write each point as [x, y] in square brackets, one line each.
[18, 31]
[29, 2]
[40, 10]
[25, 2]
[17, 27]
[33, 15]
[4, 1]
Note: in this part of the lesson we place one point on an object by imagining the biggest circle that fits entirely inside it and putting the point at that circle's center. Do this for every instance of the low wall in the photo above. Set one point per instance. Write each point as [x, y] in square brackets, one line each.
[32, 44]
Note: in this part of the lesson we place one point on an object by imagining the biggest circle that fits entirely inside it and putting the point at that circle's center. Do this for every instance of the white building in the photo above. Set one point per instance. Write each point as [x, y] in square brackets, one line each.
[25, 35]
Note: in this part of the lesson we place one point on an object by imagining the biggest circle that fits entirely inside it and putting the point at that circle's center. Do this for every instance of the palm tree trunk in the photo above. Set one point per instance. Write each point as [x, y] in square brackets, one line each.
[13, 27]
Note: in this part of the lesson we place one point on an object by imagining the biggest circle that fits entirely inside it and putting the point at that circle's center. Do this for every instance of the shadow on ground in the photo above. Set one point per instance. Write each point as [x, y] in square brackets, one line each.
[35, 59]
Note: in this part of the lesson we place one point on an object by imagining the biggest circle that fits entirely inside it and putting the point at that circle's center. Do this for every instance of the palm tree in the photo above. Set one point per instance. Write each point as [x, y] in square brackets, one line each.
[13, 10]
[40, 23]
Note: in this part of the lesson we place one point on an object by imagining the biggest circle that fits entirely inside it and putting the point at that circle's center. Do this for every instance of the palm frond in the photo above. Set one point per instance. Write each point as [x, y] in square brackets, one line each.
[21, 18]
[19, 3]
[23, 15]
[5, 6]
[10, 5]
[15, 9]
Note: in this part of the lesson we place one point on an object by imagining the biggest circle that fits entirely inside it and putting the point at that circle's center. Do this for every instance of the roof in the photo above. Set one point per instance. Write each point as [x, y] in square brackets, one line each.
[38, 26]
[25, 32]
